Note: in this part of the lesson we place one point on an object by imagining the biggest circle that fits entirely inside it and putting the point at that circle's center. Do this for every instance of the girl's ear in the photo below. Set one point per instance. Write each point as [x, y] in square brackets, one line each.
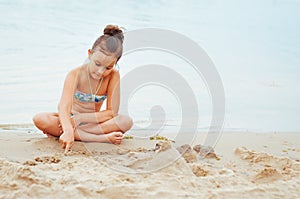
[89, 53]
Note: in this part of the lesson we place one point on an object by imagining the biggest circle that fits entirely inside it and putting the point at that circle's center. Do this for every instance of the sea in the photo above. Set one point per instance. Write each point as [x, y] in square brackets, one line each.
[254, 47]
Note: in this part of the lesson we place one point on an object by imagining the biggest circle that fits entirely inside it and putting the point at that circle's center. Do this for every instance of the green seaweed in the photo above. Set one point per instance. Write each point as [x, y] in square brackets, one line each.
[128, 137]
[158, 137]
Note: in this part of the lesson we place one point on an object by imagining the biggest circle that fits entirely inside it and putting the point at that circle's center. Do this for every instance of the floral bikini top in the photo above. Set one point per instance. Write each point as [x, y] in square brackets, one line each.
[85, 97]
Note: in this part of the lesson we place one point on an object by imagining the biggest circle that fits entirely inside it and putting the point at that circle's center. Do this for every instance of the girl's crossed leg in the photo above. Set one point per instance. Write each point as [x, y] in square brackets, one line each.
[109, 131]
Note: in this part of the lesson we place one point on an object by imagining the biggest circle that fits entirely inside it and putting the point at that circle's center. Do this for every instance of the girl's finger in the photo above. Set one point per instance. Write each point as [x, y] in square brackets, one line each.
[68, 147]
[63, 145]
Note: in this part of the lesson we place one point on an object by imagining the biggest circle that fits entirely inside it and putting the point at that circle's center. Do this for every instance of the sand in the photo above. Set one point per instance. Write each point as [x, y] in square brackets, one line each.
[242, 165]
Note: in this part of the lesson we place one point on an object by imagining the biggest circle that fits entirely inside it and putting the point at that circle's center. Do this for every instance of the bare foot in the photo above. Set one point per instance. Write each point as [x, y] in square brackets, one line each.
[48, 135]
[114, 137]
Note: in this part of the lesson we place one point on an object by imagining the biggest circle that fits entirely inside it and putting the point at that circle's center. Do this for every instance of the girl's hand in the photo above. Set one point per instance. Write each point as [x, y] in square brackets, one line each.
[66, 140]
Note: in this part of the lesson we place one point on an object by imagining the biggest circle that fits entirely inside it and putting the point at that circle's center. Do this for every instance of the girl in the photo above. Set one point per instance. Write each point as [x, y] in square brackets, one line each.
[85, 88]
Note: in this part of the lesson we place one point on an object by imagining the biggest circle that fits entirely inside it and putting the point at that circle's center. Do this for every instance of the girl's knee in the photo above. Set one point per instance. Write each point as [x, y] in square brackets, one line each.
[40, 120]
[37, 119]
[125, 122]
[129, 122]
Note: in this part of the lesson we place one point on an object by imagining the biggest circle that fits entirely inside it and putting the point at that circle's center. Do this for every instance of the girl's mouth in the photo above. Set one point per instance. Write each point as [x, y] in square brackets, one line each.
[97, 76]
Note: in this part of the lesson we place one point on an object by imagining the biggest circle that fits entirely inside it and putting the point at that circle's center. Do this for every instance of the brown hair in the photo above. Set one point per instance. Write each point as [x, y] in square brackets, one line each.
[111, 42]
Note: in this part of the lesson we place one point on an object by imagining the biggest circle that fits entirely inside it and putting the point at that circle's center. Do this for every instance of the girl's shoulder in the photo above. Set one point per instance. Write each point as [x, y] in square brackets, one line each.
[80, 68]
[77, 71]
[114, 74]
[75, 74]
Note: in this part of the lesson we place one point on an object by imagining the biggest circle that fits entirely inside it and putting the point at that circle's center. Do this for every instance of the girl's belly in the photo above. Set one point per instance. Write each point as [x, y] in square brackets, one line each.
[84, 107]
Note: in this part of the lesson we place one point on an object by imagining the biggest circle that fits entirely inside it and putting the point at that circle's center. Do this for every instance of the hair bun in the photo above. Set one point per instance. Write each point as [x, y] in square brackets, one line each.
[114, 30]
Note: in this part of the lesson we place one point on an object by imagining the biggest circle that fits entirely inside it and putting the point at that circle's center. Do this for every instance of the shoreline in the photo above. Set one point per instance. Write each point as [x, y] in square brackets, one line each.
[30, 126]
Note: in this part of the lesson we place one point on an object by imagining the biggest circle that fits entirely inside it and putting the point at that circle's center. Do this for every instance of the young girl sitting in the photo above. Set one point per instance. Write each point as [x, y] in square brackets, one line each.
[85, 88]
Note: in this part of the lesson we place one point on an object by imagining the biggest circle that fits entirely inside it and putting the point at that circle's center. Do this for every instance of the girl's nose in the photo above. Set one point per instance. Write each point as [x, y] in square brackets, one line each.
[100, 70]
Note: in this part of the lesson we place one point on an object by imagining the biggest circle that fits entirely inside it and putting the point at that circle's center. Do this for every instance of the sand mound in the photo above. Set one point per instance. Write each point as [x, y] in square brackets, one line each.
[268, 174]
[140, 160]
[198, 170]
[16, 177]
[268, 167]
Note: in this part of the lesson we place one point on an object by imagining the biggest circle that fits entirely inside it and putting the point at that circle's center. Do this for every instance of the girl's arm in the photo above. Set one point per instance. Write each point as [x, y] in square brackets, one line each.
[112, 106]
[65, 107]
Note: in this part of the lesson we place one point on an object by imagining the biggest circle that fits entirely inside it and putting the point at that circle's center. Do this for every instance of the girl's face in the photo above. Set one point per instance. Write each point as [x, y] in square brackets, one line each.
[100, 64]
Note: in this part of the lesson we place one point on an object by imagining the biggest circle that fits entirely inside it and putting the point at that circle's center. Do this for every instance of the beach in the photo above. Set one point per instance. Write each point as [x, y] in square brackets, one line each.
[253, 39]
[243, 164]
[254, 47]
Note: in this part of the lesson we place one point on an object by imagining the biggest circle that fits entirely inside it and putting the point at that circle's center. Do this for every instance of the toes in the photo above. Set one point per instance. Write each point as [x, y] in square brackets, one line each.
[115, 138]
[120, 135]
[49, 136]
[117, 142]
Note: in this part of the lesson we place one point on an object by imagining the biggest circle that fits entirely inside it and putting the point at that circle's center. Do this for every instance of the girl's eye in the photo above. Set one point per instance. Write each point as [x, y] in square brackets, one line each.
[108, 68]
[97, 63]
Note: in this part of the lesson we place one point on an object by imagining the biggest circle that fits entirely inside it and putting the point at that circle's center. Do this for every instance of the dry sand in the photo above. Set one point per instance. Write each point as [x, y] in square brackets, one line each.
[243, 165]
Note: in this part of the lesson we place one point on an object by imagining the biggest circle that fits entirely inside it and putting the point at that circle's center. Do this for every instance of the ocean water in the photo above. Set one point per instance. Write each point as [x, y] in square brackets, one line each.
[254, 45]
